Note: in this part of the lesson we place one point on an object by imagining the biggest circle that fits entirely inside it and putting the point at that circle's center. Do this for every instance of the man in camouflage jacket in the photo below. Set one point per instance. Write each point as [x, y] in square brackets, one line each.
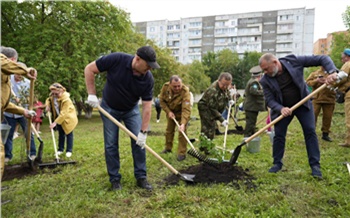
[213, 103]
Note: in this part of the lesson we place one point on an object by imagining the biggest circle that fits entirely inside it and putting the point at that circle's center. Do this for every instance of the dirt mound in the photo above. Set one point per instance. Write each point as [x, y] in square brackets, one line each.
[220, 173]
[18, 172]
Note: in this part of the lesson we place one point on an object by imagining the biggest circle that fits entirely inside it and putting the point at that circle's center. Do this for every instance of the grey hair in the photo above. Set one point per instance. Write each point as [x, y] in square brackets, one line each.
[268, 57]
[225, 75]
[175, 78]
[9, 52]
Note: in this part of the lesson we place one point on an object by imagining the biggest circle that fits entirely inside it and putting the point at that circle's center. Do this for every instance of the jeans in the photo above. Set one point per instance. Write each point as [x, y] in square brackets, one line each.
[132, 121]
[61, 137]
[8, 145]
[307, 120]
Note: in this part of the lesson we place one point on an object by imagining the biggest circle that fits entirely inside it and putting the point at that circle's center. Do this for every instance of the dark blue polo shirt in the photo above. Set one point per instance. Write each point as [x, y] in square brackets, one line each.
[123, 90]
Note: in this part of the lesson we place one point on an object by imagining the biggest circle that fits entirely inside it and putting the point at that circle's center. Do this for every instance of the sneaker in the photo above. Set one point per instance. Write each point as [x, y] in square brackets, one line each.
[59, 153]
[326, 137]
[165, 151]
[181, 157]
[142, 183]
[316, 172]
[68, 154]
[7, 159]
[32, 157]
[15, 135]
[157, 121]
[39, 132]
[345, 145]
[275, 168]
[116, 185]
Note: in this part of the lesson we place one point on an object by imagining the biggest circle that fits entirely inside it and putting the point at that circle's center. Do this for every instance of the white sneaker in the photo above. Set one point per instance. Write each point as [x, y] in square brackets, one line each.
[68, 154]
[15, 135]
[157, 121]
[32, 157]
[59, 153]
[7, 159]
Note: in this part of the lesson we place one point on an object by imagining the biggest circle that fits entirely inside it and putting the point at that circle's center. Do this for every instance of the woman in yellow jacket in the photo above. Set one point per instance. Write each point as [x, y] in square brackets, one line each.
[64, 116]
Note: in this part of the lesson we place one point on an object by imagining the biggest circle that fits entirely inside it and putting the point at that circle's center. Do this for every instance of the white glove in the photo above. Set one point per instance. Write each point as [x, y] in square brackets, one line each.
[232, 92]
[224, 123]
[141, 139]
[93, 101]
[231, 102]
[31, 113]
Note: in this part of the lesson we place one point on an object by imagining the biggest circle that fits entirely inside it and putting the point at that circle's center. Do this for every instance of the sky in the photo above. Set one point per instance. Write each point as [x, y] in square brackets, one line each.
[328, 13]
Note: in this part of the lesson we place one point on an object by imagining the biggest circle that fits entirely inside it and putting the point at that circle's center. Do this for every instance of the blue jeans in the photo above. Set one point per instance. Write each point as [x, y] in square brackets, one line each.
[61, 137]
[13, 122]
[132, 121]
[307, 120]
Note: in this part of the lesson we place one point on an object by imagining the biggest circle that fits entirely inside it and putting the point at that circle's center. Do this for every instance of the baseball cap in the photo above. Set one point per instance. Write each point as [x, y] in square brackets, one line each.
[148, 54]
[255, 70]
[347, 51]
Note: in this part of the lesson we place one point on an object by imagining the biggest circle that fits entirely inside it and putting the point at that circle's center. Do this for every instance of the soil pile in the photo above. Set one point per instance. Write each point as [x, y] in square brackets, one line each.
[220, 173]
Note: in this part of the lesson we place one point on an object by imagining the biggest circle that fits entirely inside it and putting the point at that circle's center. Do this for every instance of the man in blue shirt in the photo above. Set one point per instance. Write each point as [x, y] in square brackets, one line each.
[128, 79]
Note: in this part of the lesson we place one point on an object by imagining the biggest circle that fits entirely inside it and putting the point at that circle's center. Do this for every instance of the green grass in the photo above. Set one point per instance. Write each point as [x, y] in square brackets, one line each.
[82, 190]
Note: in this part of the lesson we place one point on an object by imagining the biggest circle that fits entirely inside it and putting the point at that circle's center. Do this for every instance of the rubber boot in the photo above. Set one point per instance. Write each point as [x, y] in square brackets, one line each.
[326, 137]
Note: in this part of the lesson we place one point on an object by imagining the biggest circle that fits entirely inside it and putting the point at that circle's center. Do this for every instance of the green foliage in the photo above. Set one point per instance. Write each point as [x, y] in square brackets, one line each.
[340, 42]
[346, 17]
[59, 38]
[194, 75]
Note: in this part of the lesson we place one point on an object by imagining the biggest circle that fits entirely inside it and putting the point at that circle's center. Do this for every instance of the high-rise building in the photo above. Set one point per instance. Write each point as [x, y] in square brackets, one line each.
[280, 32]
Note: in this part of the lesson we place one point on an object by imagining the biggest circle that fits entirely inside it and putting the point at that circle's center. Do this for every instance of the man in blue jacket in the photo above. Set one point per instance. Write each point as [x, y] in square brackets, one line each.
[284, 86]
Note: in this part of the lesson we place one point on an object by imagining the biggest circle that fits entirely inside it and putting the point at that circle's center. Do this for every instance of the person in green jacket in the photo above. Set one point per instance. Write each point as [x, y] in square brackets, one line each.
[254, 101]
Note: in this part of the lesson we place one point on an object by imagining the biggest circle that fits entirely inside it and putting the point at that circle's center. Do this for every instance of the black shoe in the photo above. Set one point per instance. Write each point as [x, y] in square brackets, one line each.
[217, 132]
[192, 140]
[116, 185]
[316, 172]
[165, 151]
[142, 183]
[326, 137]
[181, 157]
[275, 168]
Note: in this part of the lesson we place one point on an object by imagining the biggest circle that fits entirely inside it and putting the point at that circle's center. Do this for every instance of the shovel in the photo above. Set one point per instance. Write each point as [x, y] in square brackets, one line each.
[41, 146]
[238, 149]
[239, 128]
[193, 152]
[29, 120]
[57, 161]
[185, 177]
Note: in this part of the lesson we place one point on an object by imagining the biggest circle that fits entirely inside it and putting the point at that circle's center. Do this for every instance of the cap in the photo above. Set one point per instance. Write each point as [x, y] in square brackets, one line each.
[57, 86]
[255, 70]
[148, 54]
[347, 51]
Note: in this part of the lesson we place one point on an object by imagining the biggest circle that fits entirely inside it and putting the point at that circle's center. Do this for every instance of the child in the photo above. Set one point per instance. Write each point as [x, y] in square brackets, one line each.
[38, 107]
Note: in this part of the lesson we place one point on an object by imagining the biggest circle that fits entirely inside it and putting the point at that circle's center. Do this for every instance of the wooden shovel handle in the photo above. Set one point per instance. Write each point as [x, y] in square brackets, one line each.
[301, 102]
[184, 134]
[171, 168]
[226, 128]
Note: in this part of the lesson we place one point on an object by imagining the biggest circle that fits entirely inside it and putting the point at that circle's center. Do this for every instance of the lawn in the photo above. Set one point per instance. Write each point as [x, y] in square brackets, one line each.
[83, 190]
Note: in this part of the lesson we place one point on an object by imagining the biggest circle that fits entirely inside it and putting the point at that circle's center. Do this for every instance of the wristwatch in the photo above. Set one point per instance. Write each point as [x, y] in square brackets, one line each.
[143, 132]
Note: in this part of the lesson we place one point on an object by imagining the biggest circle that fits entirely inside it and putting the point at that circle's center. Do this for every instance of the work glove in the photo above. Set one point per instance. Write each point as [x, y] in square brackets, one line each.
[31, 113]
[224, 123]
[232, 92]
[231, 102]
[141, 139]
[93, 101]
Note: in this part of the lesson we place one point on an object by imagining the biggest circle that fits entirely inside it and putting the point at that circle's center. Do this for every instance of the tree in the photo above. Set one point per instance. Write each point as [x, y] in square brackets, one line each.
[195, 77]
[60, 38]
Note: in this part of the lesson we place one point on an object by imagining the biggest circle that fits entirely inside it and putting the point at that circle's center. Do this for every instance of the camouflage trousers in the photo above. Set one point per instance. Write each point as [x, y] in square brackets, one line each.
[327, 111]
[208, 124]
[169, 136]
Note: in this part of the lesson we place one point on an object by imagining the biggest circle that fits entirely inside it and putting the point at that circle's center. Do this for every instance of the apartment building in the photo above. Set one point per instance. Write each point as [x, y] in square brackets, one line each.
[323, 45]
[280, 32]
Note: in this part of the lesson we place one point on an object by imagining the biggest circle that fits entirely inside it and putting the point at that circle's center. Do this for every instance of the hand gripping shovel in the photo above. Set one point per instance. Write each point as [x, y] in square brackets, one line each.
[193, 152]
[238, 149]
[41, 146]
[53, 165]
[185, 177]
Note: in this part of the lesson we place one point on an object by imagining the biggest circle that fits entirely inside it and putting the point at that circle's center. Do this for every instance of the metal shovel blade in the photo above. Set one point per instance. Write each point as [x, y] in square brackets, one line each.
[235, 154]
[187, 177]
